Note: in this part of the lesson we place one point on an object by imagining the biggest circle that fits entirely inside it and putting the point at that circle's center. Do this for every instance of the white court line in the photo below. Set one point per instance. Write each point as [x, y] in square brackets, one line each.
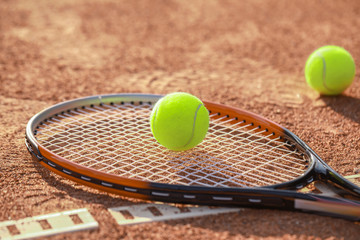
[46, 225]
[145, 213]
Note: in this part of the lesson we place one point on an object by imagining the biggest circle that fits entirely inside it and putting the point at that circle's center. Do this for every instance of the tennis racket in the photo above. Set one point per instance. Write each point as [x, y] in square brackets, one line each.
[105, 142]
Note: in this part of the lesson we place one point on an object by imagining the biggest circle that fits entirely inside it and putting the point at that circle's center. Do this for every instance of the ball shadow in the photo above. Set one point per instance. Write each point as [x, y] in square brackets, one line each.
[347, 106]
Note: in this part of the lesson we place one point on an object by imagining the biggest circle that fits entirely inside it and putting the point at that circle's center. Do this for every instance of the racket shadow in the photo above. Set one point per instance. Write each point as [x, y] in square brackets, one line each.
[265, 223]
[246, 222]
[347, 106]
[77, 191]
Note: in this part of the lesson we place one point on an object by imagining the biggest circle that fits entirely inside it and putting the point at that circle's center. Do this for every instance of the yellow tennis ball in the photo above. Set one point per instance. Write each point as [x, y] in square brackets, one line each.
[330, 70]
[179, 121]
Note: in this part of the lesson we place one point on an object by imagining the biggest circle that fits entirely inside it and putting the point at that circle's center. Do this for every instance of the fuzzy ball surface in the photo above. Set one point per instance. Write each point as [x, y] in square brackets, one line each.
[179, 121]
[330, 70]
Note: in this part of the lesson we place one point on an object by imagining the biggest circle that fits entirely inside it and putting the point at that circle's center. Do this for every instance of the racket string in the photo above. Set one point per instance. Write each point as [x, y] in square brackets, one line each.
[117, 139]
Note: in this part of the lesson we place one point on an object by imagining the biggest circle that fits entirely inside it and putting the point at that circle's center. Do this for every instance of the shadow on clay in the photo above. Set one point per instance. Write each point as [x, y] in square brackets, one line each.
[74, 190]
[264, 223]
[347, 106]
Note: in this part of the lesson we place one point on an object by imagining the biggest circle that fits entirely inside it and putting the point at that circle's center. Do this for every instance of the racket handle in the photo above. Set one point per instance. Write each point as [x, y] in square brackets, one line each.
[335, 207]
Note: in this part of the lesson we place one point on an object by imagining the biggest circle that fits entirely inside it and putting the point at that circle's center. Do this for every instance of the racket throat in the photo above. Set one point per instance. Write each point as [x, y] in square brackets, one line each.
[328, 183]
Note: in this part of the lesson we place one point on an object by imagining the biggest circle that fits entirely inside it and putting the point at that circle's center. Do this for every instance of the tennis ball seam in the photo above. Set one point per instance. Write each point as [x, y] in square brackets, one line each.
[324, 72]
[193, 129]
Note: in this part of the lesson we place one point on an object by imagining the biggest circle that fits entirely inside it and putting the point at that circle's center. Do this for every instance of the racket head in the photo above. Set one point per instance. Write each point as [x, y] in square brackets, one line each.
[226, 119]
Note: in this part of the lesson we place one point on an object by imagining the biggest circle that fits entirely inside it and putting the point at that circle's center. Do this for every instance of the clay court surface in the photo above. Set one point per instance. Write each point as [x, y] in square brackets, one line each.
[247, 54]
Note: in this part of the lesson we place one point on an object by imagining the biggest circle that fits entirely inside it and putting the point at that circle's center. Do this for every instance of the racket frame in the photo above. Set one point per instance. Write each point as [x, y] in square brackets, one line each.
[280, 195]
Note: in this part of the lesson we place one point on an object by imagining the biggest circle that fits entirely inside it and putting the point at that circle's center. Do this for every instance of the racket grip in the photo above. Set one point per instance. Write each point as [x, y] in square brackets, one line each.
[334, 207]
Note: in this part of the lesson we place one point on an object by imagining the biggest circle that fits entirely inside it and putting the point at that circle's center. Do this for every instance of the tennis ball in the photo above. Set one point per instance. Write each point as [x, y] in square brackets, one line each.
[179, 121]
[330, 70]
